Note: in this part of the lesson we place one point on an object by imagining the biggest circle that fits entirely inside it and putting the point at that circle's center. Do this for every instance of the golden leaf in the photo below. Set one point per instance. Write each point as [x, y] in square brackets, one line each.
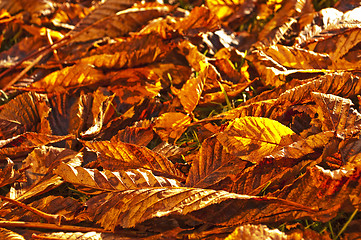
[125, 156]
[254, 137]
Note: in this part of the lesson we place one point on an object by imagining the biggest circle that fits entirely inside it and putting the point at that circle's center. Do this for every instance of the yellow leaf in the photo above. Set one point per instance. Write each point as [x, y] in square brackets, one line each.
[254, 137]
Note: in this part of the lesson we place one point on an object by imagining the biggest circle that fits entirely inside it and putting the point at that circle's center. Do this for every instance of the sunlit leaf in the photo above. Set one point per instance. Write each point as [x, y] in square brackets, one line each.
[42, 160]
[33, 7]
[117, 24]
[334, 187]
[125, 156]
[94, 181]
[231, 11]
[102, 110]
[171, 125]
[140, 50]
[192, 90]
[24, 143]
[71, 77]
[129, 208]
[10, 235]
[137, 135]
[344, 84]
[290, 9]
[50, 204]
[262, 232]
[251, 137]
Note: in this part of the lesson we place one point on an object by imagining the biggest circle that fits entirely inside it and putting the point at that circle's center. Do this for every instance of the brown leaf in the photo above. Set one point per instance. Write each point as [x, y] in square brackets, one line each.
[50, 204]
[213, 165]
[93, 181]
[290, 9]
[119, 23]
[231, 12]
[335, 188]
[41, 161]
[129, 208]
[136, 135]
[26, 112]
[192, 90]
[8, 174]
[125, 156]
[10, 235]
[171, 125]
[336, 112]
[71, 77]
[138, 51]
[24, 143]
[344, 84]
[102, 111]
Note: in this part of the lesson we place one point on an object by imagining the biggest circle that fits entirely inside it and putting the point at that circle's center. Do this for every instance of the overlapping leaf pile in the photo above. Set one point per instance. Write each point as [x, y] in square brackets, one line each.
[144, 120]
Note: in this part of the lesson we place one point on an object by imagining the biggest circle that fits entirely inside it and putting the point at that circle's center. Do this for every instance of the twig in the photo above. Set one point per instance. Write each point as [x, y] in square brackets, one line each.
[51, 218]
[40, 225]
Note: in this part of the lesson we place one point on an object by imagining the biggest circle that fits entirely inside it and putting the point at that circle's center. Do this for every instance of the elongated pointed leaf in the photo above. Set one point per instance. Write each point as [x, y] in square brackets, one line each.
[137, 51]
[125, 156]
[253, 137]
[120, 23]
[344, 84]
[71, 77]
[108, 8]
[129, 208]
[94, 181]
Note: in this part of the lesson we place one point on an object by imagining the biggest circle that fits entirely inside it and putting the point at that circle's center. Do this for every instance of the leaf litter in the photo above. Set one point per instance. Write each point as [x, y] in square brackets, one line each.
[193, 120]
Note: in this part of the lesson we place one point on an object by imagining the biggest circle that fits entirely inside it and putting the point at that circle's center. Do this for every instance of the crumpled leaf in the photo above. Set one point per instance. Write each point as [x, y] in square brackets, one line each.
[192, 90]
[336, 188]
[8, 174]
[336, 112]
[102, 110]
[291, 9]
[125, 156]
[26, 112]
[252, 137]
[171, 125]
[93, 181]
[24, 143]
